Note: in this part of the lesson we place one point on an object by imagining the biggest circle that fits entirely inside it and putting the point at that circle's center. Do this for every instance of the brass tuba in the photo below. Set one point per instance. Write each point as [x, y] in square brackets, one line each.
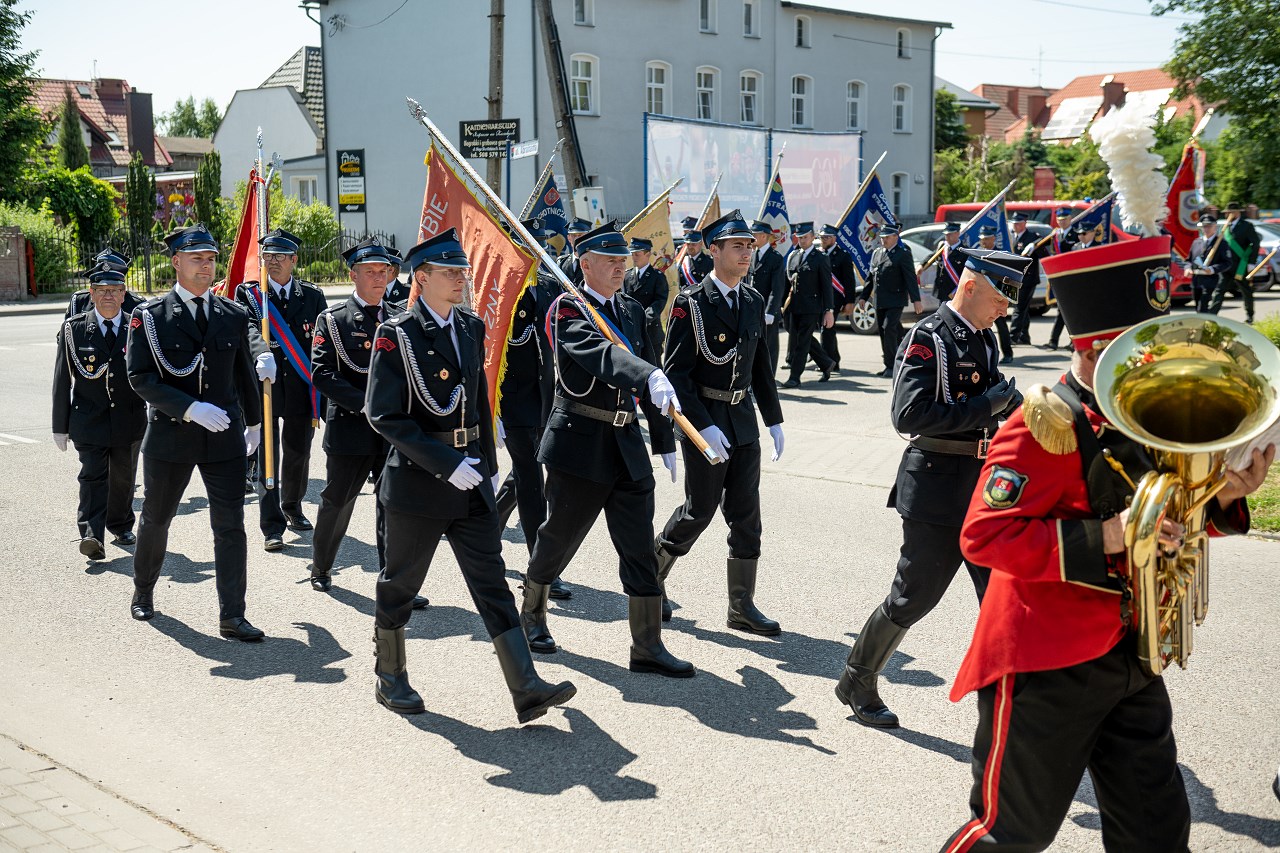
[1189, 388]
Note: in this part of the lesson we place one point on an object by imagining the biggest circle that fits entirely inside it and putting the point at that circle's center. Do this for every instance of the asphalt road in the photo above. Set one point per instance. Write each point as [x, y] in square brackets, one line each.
[281, 746]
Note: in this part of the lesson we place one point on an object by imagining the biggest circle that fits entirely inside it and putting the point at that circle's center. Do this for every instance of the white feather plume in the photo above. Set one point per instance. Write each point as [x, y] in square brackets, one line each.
[1125, 137]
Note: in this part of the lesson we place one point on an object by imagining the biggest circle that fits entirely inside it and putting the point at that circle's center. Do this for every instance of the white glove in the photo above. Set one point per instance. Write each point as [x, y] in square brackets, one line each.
[497, 483]
[60, 441]
[266, 367]
[661, 392]
[669, 462]
[465, 476]
[776, 432]
[252, 439]
[768, 319]
[208, 416]
[501, 439]
[1027, 250]
[713, 436]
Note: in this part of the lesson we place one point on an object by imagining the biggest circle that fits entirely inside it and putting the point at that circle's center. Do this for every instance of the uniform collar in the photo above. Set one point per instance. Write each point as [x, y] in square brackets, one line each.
[721, 286]
[603, 300]
[185, 296]
[442, 322]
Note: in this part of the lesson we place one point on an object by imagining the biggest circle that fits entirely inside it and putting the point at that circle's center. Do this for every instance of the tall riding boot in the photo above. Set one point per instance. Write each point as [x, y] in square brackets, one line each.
[532, 695]
[665, 561]
[647, 652]
[857, 687]
[743, 614]
[506, 499]
[533, 616]
[394, 690]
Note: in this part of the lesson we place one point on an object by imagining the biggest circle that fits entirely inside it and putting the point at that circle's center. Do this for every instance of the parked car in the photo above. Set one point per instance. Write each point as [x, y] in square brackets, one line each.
[1044, 212]
[1269, 233]
[862, 319]
[927, 236]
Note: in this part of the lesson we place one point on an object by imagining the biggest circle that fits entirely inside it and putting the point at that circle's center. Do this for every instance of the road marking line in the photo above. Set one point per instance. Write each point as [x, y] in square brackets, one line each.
[18, 438]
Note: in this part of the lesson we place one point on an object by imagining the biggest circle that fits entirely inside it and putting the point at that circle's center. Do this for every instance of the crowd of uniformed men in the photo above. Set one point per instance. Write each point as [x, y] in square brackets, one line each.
[395, 373]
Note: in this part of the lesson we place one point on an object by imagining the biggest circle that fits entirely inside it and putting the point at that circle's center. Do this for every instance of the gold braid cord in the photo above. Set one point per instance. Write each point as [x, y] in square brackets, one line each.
[1049, 419]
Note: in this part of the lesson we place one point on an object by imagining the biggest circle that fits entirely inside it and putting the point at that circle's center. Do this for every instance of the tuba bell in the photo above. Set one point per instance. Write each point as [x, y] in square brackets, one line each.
[1190, 388]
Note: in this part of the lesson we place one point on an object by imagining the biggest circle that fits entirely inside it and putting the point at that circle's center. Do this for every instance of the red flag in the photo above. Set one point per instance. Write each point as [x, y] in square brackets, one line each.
[1184, 203]
[500, 270]
[242, 266]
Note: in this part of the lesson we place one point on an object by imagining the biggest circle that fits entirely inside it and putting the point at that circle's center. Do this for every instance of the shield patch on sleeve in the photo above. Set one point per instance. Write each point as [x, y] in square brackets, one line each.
[1003, 487]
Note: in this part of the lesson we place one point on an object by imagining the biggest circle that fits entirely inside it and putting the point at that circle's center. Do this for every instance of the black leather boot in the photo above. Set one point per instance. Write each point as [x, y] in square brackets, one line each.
[320, 581]
[665, 562]
[142, 607]
[533, 616]
[394, 690]
[857, 687]
[647, 652]
[532, 695]
[506, 500]
[743, 614]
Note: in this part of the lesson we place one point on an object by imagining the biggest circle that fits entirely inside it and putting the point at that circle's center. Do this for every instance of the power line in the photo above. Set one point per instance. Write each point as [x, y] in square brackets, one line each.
[1152, 62]
[1114, 11]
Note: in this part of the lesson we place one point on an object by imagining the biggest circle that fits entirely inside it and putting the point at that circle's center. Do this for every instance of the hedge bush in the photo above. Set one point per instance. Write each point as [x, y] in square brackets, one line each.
[52, 244]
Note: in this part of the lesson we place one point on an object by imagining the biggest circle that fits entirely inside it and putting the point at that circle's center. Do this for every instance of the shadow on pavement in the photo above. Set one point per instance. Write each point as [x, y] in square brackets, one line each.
[177, 568]
[435, 622]
[750, 709]
[308, 662]
[545, 760]
[962, 753]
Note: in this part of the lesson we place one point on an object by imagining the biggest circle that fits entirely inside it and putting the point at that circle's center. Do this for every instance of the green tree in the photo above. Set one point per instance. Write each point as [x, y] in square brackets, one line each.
[76, 196]
[140, 202]
[208, 188]
[72, 153]
[1243, 164]
[949, 128]
[1081, 172]
[22, 129]
[188, 119]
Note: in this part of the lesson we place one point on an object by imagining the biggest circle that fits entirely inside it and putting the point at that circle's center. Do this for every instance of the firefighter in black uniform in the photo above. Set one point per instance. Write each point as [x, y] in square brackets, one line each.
[569, 260]
[1064, 241]
[768, 277]
[717, 362]
[299, 304]
[594, 451]
[340, 353]
[427, 397]
[1241, 238]
[948, 276]
[809, 305]
[1024, 243]
[397, 291]
[647, 286]
[893, 281]
[987, 242]
[842, 272]
[949, 396]
[189, 357]
[108, 258]
[94, 406]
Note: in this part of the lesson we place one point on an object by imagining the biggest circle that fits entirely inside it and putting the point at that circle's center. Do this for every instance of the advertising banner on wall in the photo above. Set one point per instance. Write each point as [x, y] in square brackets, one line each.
[820, 172]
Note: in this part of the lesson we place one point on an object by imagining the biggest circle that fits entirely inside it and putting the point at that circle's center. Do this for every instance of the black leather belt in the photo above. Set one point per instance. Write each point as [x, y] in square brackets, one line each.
[460, 437]
[608, 416]
[976, 449]
[731, 397]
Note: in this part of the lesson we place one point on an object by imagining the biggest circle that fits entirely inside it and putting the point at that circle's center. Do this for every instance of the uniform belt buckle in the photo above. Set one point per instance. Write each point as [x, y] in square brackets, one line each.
[984, 444]
[460, 437]
[737, 396]
[620, 418]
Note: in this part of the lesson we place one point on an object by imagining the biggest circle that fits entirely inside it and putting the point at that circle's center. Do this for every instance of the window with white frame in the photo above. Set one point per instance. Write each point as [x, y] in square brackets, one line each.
[801, 101]
[706, 83]
[900, 184]
[855, 93]
[706, 16]
[802, 30]
[902, 108]
[583, 71]
[304, 188]
[751, 18]
[904, 44]
[584, 13]
[657, 79]
[749, 97]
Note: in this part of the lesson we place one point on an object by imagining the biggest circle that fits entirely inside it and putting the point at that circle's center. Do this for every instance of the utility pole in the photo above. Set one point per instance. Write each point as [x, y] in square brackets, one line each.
[493, 177]
[565, 130]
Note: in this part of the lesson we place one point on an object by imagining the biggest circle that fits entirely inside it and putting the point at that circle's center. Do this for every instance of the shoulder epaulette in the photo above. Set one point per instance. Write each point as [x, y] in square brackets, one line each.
[1049, 420]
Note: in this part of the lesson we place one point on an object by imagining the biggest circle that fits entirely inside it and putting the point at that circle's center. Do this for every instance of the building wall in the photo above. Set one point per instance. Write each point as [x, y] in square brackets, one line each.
[286, 130]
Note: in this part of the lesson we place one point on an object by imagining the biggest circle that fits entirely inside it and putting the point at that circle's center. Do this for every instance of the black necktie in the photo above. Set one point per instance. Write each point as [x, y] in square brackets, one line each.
[111, 336]
[609, 312]
[202, 322]
[732, 296]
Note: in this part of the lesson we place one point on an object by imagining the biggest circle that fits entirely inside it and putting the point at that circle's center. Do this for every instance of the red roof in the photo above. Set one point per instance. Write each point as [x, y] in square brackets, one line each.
[1145, 80]
[103, 107]
[1014, 103]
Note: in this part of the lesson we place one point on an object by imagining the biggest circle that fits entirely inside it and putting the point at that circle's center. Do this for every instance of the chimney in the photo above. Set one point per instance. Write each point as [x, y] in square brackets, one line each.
[141, 127]
[1112, 93]
[1036, 113]
[111, 89]
[1011, 100]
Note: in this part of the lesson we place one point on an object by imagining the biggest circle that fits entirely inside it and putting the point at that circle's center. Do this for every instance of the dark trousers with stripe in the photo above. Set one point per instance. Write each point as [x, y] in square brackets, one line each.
[928, 560]
[106, 478]
[732, 486]
[1037, 734]
[346, 477]
[291, 441]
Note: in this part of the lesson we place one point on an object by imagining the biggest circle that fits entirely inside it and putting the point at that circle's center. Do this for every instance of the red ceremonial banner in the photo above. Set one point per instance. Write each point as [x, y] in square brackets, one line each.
[242, 266]
[1184, 204]
[500, 270]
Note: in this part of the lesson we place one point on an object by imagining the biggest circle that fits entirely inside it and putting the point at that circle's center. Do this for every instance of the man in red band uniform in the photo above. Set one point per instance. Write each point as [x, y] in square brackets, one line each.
[1060, 688]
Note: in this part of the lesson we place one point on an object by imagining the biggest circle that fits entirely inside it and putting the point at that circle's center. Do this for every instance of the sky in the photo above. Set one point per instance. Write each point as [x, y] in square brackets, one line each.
[176, 49]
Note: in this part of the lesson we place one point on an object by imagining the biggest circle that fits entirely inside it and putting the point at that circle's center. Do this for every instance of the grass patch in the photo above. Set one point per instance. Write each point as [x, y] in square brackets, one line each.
[1264, 504]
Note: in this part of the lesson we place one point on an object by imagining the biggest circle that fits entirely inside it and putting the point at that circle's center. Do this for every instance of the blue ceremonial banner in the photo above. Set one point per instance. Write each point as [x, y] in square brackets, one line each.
[775, 209]
[549, 206]
[1099, 214]
[859, 233]
[993, 214]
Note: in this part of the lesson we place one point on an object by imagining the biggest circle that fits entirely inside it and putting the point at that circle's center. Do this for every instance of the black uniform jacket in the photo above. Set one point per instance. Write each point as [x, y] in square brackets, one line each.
[226, 378]
[810, 276]
[1031, 278]
[415, 372]
[572, 269]
[290, 393]
[944, 283]
[701, 326]
[80, 303]
[769, 278]
[92, 399]
[700, 265]
[893, 278]
[842, 269]
[528, 383]
[650, 290]
[398, 292]
[941, 372]
[593, 372]
[340, 353]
